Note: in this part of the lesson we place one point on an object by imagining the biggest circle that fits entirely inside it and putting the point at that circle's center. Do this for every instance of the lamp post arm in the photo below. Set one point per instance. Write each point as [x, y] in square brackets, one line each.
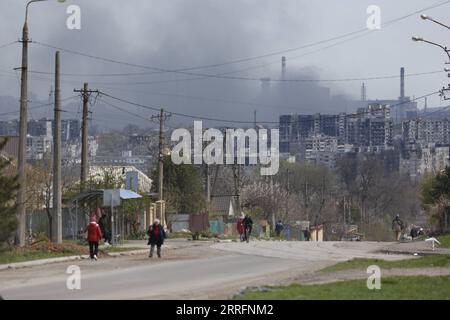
[440, 46]
[28, 4]
[439, 23]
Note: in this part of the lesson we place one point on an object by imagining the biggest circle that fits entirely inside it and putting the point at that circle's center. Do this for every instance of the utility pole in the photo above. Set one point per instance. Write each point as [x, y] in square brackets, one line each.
[161, 155]
[237, 178]
[208, 187]
[86, 94]
[288, 193]
[21, 194]
[162, 117]
[57, 216]
[160, 204]
[272, 199]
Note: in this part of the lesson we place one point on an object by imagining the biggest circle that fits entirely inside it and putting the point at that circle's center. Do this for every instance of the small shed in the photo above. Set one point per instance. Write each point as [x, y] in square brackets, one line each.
[317, 233]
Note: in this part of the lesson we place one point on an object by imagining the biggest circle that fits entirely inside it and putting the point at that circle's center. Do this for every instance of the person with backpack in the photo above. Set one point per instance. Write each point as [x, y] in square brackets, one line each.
[94, 235]
[156, 235]
[397, 227]
[248, 225]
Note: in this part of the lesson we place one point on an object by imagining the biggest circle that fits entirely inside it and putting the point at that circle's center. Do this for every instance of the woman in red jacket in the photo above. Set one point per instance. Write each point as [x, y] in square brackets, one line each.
[94, 235]
[241, 228]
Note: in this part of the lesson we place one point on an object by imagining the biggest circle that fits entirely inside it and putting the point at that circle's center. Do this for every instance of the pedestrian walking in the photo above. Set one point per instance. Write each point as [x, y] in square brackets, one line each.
[397, 227]
[103, 223]
[279, 228]
[240, 227]
[156, 235]
[94, 235]
[248, 225]
[307, 234]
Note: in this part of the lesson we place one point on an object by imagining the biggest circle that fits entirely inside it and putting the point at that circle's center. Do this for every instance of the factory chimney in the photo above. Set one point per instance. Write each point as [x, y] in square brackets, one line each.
[363, 92]
[402, 84]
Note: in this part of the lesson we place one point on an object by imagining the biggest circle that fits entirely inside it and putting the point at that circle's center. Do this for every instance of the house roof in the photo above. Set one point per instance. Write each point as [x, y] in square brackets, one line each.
[86, 196]
[223, 204]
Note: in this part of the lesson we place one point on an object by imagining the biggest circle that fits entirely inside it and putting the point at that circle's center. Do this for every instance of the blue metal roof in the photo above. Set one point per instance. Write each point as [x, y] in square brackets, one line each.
[128, 194]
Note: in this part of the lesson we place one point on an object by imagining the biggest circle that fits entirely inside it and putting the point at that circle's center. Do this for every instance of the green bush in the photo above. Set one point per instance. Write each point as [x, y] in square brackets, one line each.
[140, 235]
[178, 235]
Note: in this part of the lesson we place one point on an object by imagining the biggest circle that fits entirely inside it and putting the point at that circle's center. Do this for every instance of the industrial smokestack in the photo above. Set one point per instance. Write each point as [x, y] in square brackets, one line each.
[283, 67]
[363, 92]
[402, 84]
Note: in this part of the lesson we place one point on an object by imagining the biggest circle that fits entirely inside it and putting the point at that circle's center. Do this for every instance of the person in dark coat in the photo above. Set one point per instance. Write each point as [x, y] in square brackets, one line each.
[397, 227]
[307, 234]
[156, 235]
[248, 224]
[279, 228]
[103, 223]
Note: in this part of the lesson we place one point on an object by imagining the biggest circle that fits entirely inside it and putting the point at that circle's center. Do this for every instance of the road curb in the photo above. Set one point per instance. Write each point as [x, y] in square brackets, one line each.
[127, 253]
[40, 262]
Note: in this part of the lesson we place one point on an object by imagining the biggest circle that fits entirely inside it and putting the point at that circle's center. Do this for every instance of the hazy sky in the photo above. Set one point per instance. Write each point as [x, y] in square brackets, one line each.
[177, 34]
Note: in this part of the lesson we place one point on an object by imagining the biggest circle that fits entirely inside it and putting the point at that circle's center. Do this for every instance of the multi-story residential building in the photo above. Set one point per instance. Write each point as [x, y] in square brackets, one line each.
[38, 146]
[127, 158]
[9, 128]
[434, 159]
[370, 127]
[425, 131]
[70, 130]
[72, 149]
[136, 139]
[321, 142]
[42, 127]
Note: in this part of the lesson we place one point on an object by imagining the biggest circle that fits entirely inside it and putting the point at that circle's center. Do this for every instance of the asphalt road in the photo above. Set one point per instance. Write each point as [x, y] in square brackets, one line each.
[218, 272]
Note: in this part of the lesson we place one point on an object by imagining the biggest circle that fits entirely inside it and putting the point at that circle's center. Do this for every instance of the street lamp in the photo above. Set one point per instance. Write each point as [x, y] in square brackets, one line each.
[21, 195]
[425, 17]
[420, 39]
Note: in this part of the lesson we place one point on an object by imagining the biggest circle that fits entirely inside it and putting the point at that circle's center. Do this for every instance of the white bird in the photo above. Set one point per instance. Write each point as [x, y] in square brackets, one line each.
[433, 240]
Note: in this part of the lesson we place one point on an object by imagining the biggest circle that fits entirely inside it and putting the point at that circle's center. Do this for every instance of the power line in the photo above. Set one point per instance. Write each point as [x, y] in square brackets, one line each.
[223, 76]
[8, 44]
[38, 106]
[251, 122]
[283, 80]
[228, 101]
[257, 79]
[187, 71]
[139, 116]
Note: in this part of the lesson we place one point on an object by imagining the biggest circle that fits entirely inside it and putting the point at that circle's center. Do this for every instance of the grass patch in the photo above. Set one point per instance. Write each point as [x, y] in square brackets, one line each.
[392, 288]
[422, 262]
[45, 249]
[40, 250]
[444, 240]
[179, 235]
